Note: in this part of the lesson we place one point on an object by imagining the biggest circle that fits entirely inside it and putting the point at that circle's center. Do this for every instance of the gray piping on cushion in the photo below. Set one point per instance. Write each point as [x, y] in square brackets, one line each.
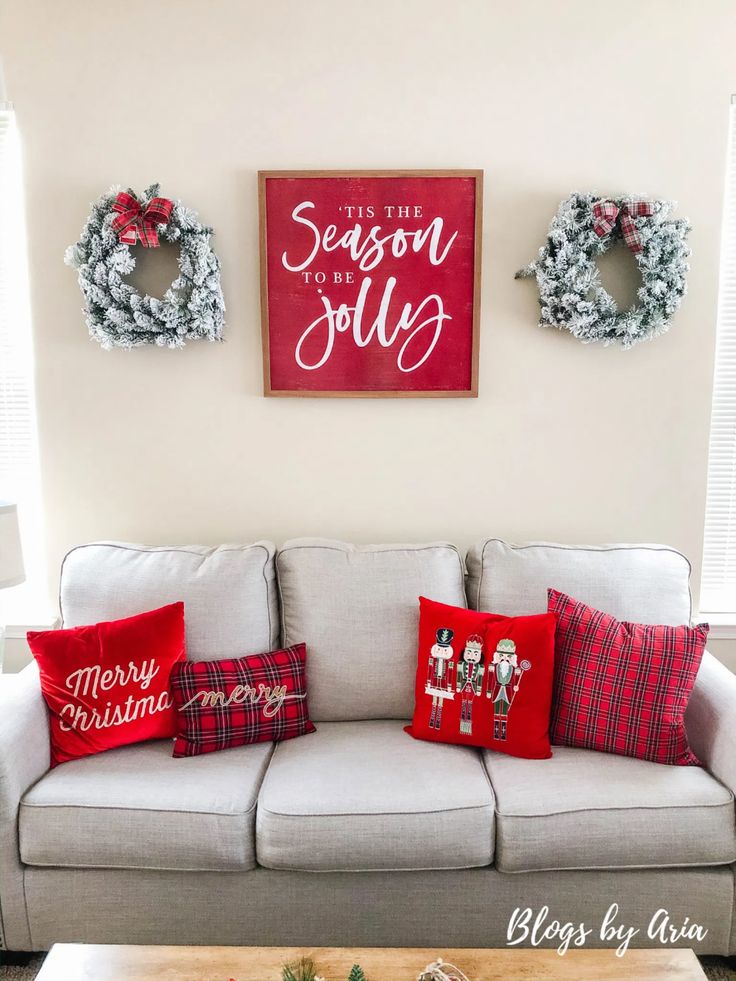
[614, 868]
[623, 807]
[146, 810]
[144, 868]
[377, 814]
[428, 868]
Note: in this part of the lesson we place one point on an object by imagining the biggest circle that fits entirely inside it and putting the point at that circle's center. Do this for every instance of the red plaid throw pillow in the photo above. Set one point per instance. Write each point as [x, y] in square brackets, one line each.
[252, 699]
[622, 687]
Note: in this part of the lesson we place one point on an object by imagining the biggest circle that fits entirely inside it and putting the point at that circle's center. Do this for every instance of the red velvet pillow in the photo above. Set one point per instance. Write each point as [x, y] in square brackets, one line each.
[623, 687]
[107, 685]
[251, 699]
[484, 680]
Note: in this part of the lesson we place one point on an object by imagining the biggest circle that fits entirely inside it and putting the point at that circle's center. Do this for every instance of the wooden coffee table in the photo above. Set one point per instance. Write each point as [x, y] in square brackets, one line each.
[91, 962]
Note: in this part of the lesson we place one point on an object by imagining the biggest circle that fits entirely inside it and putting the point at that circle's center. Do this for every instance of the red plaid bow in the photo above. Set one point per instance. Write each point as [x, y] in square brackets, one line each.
[133, 223]
[605, 214]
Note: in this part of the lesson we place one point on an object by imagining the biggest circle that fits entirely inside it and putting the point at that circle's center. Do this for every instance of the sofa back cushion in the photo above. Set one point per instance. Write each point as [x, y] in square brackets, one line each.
[639, 583]
[357, 610]
[229, 592]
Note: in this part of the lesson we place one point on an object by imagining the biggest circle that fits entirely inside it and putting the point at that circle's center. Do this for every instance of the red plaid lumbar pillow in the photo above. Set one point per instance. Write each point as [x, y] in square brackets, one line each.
[251, 699]
[622, 687]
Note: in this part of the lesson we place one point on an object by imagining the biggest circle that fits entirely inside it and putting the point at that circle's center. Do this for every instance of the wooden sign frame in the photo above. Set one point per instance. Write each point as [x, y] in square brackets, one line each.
[268, 389]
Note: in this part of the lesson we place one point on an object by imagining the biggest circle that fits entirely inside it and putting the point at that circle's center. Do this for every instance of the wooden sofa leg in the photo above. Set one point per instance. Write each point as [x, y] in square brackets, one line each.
[16, 958]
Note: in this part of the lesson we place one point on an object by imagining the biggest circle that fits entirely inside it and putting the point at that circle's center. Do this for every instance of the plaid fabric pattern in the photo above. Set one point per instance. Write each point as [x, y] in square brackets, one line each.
[252, 699]
[622, 687]
[132, 222]
[605, 214]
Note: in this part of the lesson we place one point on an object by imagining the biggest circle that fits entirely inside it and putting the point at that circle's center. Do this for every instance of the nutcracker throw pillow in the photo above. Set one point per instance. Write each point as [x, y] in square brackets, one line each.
[107, 684]
[623, 687]
[252, 699]
[484, 680]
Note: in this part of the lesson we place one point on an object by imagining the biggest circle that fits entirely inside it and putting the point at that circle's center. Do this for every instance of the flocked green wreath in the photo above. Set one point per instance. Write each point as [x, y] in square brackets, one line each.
[117, 314]
[571, 296]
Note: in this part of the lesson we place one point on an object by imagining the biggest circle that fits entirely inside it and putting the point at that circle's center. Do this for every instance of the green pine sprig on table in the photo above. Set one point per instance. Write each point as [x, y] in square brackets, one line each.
[305, 970]
[302, 970]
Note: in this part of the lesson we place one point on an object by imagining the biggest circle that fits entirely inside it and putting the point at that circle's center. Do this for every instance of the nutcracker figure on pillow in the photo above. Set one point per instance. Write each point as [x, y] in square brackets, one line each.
[439, 674]
[470, 680]
[506, 670]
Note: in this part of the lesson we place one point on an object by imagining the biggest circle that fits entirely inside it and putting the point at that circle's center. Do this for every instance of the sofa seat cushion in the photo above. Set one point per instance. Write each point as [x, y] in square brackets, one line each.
[588, 810]
[138, 808]
[364, 796]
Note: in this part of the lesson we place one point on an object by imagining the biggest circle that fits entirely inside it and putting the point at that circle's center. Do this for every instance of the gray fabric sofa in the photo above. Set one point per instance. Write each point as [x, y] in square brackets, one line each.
[357, 834]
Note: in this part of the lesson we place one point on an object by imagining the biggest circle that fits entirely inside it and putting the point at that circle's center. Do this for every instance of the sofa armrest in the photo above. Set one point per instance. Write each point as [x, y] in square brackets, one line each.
[24, 758]
[710, 720]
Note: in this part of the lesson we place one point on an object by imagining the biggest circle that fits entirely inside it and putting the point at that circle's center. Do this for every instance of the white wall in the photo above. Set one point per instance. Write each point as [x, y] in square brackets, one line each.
[566, 442]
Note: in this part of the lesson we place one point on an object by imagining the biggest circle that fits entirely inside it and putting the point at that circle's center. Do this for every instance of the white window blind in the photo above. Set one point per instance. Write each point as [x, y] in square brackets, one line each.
[19, 470]
[718, 589]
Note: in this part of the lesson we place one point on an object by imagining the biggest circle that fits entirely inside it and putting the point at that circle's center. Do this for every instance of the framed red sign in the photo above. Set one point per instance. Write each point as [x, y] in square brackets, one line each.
[370, 282]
